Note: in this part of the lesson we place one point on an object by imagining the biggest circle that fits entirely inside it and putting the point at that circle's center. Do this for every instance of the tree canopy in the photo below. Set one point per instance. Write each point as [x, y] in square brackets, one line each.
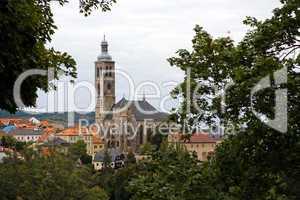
[25, 28]
[256, 161]
[47, 177]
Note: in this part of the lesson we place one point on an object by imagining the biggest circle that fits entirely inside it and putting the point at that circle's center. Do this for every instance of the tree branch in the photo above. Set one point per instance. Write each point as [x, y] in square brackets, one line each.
[291, 51]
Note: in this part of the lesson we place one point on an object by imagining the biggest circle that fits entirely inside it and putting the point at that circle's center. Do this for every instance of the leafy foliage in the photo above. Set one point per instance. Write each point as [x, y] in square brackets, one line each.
[78, 151]
[40, 177]
[171, 173]
[11, 143]
[257, 162]
[25, 28]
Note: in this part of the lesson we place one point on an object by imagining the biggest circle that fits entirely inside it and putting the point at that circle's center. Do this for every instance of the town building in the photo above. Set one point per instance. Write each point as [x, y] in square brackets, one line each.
[75, 134]
[54, 143]
[98, 144]
[26, 134]
[202, 144]
[126, 119]
[116, 158]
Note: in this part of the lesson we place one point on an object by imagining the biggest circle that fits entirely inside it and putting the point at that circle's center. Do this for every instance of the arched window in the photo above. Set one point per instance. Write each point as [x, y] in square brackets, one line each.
[109, 86]
[97, 72]
[98, 89]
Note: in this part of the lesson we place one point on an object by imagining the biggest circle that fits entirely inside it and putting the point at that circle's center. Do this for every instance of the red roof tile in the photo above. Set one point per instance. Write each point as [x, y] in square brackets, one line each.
[74, 131]
[196, 138]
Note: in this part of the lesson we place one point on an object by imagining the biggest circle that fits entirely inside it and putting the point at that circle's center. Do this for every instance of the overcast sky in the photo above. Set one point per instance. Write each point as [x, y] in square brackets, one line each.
[142, 34]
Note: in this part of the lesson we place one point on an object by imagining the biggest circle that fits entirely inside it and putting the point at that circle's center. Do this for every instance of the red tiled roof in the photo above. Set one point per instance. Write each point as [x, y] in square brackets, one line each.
[202, 138]
[47, 132]
[74, 131]
[197, 138]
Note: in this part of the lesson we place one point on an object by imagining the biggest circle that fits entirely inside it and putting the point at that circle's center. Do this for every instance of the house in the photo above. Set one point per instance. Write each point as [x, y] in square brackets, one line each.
[9, 128]
[116, 158]
[98, 144]
[27, 135]
[202, 144]
[35, 121]
[74, 134]
[54, 143]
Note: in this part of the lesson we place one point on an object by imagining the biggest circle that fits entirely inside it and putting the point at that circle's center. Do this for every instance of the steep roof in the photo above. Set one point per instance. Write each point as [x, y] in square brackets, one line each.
[73, 131]
[24, 131]
[196, 138]
[202, 138]
[9, 128]
[47, 132]
[55, 141]
[113, 153]
[141, 109]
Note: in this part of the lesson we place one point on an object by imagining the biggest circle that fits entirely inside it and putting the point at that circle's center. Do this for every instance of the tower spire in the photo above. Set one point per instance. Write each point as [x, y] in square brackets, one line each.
[104, 45]
[104, 50]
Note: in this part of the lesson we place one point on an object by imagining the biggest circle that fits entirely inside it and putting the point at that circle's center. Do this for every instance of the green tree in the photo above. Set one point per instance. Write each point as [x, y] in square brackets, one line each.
[107, 160]
[8, 141]
[171, 173]
[78, 151]
[25, 28]
[130, 159]
[157, 139]
[257, 162]
[53, 177]
[146, 148]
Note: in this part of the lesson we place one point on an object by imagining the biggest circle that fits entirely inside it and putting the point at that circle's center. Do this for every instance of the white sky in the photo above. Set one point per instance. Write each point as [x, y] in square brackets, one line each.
[142, 34]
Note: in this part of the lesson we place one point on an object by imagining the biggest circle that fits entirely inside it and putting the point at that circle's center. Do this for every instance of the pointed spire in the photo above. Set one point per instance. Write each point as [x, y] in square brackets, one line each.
[104, 45]
[104, 50]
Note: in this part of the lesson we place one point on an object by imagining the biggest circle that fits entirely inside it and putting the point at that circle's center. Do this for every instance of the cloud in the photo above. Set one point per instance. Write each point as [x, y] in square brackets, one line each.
[143, 34]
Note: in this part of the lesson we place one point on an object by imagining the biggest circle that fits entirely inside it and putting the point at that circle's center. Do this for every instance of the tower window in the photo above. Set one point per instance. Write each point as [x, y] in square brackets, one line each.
[98, 89]
[109, 86]
[98, 72]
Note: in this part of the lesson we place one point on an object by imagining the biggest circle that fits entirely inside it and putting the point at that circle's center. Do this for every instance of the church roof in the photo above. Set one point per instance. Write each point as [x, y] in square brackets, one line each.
[141, 110]
[114, 154]
[55, 141]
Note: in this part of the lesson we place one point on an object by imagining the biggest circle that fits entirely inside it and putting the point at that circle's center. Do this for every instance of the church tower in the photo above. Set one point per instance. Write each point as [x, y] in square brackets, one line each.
[104, 82]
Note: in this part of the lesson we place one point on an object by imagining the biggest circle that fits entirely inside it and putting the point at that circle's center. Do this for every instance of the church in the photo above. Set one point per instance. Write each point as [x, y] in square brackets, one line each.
[128, 120]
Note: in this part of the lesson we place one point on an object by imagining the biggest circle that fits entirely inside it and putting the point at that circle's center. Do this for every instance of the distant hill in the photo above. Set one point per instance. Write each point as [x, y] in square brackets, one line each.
[55, 117]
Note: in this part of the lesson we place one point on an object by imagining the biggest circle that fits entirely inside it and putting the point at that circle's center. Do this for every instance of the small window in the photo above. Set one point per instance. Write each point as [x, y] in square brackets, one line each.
[109, 86]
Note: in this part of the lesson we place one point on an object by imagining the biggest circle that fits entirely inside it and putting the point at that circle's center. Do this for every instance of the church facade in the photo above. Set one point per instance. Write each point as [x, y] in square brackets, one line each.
[128, 124]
